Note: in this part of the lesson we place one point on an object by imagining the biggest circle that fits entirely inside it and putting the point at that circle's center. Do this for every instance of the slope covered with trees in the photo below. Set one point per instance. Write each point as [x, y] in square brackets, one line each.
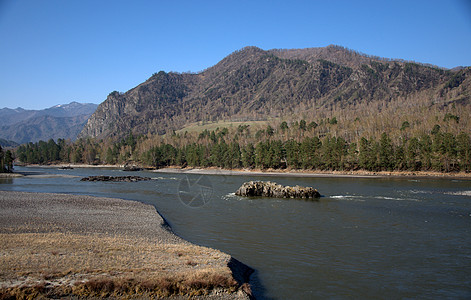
[292, 147]
[368, 95]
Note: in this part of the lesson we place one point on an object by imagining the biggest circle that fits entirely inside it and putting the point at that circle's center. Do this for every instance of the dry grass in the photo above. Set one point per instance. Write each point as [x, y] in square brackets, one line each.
[58, 264]
[197, 127]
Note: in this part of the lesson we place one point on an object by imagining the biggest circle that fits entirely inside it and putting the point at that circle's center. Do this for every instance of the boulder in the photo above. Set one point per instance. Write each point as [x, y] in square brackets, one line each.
[272, 189]
[132, 168]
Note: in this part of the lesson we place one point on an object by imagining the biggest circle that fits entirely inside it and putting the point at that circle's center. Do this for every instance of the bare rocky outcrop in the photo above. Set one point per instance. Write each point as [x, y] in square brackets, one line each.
[272, 189]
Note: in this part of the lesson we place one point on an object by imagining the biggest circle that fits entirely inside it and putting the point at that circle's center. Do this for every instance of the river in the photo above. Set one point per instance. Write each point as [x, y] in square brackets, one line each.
[366, 238]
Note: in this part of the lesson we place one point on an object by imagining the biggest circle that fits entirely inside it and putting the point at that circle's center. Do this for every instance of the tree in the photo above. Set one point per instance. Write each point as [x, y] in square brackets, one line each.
[292, 154]
[283, 126]
[261, 152]
[235, 155]
[309, 157]
[312, 126]
[110, 157]
[351, 162]
[131, 141]
[2, 161]
[248, 156]
[425, 150]
[215, 155]
[302, 125]
[412, 155]
[405, 125]
[386, 153]
[77, 154]
[367, 154]
[276, 154]
[8, 161]
[463, 149]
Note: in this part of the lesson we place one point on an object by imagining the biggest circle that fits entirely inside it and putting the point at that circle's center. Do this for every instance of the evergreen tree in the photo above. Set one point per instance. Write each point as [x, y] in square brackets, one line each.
[248, 156]
[6, 161]
[367, 154]
[386, 153]
[309, 153]
[351, 162]
[292, 154]
[283, 126]
[276, 155]
[261, 152]
[412, 155]
[235, 156]
[425, 149]
[2, 161]
[463, 149]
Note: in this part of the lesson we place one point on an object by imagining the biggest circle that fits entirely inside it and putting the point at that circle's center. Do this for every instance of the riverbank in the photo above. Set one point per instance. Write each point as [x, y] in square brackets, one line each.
[59, 245]
[308, 173]
[10, 175]
[274, 172]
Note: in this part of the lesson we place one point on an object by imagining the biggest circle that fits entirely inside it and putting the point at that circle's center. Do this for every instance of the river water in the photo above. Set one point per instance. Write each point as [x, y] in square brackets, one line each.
[366, 238]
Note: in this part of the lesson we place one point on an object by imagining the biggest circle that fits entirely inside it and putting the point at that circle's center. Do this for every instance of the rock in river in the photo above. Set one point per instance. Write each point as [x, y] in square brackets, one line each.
[115, 178]
[272, 189]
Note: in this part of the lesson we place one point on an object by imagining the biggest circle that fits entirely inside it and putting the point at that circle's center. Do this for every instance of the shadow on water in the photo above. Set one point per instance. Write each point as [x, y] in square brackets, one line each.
[29, 173]
[259, 291]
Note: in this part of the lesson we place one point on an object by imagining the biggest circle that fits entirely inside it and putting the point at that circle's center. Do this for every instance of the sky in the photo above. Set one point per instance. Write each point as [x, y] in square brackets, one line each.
[55, 51]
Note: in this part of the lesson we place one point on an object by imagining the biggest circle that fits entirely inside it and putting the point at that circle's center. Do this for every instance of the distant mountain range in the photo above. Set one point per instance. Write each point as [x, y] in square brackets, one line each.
[254, 84]
[61, 121]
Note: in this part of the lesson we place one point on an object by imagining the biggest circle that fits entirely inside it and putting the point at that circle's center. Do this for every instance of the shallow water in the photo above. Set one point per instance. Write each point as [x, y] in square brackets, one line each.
[366, 238]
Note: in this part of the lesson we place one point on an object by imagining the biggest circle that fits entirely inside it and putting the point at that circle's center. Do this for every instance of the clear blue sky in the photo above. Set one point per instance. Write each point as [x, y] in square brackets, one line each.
[55, 51]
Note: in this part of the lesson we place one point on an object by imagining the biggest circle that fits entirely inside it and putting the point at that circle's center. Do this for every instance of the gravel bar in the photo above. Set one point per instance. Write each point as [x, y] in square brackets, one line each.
[122, 238]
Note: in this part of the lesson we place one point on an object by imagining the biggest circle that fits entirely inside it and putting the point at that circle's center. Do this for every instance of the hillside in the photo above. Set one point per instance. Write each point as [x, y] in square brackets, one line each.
[60, 121]
[6, 143]
[366, 94]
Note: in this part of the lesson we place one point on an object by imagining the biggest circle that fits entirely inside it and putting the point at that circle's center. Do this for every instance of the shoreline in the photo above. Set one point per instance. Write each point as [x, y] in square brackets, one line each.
[74, 245]
[304, 173]
[274, 172]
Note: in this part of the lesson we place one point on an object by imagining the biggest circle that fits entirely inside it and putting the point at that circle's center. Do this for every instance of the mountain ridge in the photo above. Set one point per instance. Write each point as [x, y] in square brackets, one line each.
[59, 121]
[256, 84]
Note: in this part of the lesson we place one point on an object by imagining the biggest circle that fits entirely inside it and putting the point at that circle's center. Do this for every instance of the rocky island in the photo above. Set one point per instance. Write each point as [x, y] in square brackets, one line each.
[272, 189]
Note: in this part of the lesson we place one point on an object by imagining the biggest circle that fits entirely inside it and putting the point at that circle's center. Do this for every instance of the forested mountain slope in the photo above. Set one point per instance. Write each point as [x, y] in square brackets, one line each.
[366, 94]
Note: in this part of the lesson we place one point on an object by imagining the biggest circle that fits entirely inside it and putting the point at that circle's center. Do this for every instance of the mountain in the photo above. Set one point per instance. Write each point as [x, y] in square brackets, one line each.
[60, 121]
[255, 84]
[6, 143]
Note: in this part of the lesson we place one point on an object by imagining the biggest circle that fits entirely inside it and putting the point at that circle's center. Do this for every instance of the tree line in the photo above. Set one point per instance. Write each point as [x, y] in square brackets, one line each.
[437, 151]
